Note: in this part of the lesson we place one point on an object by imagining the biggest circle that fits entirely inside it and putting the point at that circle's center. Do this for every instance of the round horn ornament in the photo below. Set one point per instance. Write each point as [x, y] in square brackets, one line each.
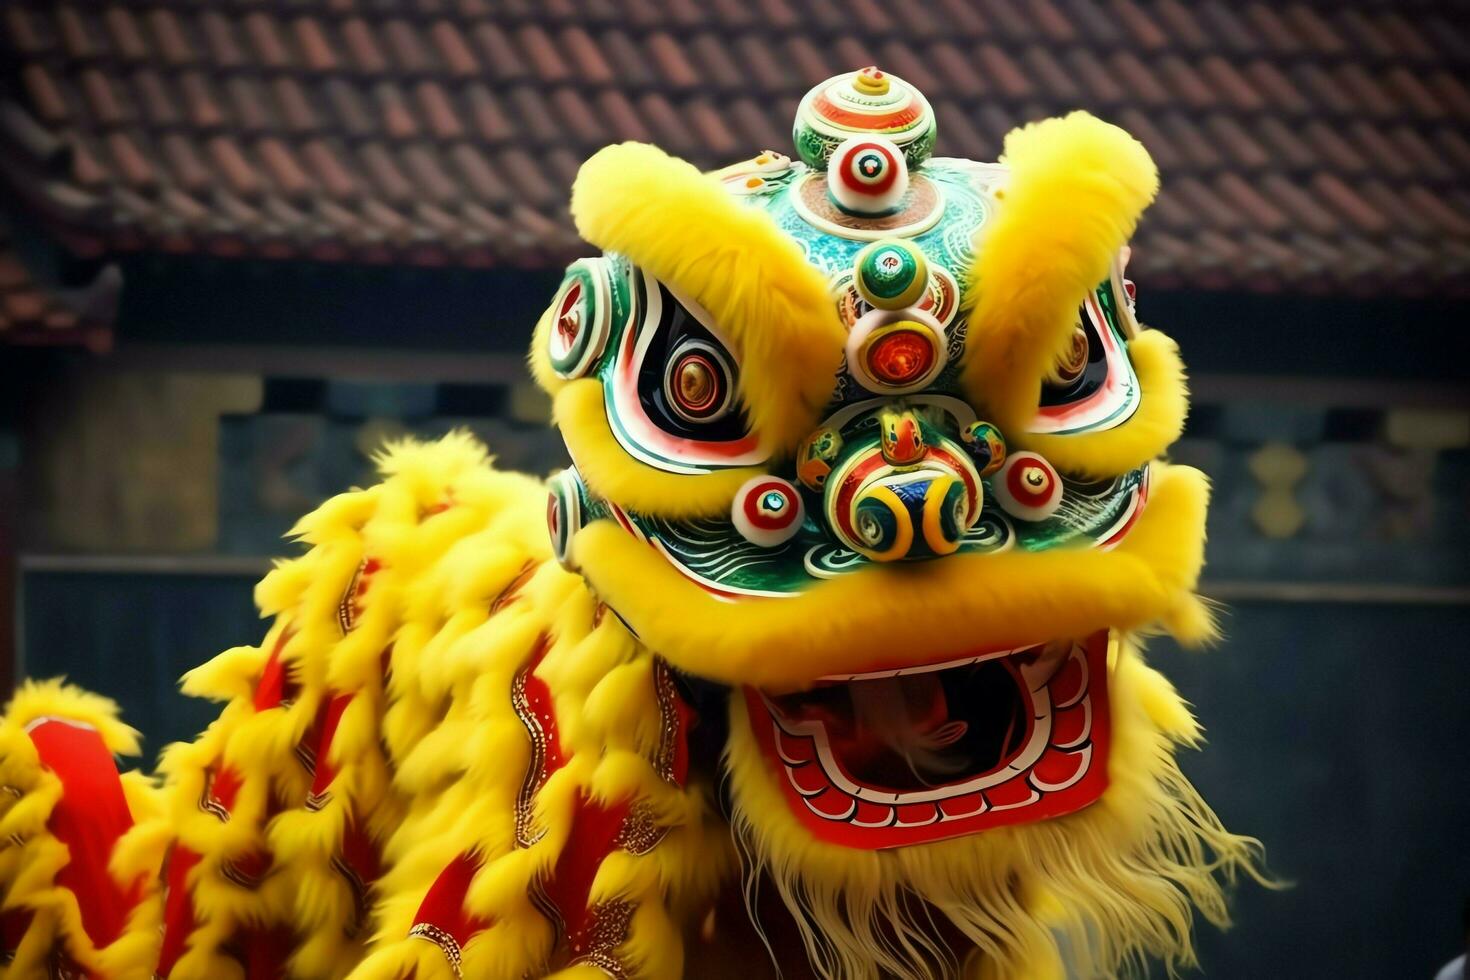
[1027, 487]
[867, 175]
[564, 513]
[767, 511]
[891, 274]
[581, 319]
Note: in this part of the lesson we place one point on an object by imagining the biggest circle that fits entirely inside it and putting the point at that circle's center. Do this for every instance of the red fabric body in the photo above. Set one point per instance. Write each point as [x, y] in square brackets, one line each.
[91, 816]
[444, 907]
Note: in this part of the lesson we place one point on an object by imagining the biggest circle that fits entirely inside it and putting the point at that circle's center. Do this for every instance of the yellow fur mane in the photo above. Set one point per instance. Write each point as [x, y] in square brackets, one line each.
[1076, 189]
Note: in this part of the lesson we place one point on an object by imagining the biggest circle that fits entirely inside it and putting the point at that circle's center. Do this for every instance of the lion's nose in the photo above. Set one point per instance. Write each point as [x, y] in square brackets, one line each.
[906, 515]
[902, 491]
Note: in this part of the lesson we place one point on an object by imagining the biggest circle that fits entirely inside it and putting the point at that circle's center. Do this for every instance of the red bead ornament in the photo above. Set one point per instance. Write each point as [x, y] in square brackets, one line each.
[1027, 487]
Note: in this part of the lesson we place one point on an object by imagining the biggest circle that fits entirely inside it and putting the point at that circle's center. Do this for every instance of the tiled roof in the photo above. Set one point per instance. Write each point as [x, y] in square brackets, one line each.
[35, 313]
[1305, 146]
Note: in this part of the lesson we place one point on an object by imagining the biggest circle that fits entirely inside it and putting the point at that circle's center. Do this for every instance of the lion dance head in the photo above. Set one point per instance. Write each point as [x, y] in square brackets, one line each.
[867, 447]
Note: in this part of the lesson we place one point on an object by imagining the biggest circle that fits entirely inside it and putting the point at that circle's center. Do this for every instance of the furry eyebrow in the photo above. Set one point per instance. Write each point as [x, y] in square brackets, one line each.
[686, 230]
[1076, 190]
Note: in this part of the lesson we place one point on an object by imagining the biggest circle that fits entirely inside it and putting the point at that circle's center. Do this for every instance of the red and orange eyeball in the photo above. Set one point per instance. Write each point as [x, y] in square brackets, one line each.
[891, 352]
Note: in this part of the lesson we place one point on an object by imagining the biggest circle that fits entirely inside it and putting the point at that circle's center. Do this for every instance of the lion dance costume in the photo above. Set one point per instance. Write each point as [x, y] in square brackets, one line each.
[840, 600]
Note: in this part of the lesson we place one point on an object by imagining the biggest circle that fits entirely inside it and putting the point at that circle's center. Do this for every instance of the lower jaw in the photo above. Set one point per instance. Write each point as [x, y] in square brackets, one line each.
[1058, 767]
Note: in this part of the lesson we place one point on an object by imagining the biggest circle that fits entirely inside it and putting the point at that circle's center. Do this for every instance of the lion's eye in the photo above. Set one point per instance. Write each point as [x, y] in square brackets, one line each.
[673, 386]
[699, 383]
[1093, 386]
[687, 377]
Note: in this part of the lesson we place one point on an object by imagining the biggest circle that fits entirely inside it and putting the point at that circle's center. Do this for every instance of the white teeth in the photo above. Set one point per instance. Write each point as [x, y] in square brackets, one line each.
[884, 821]
[1013, 806]
[1083, 763]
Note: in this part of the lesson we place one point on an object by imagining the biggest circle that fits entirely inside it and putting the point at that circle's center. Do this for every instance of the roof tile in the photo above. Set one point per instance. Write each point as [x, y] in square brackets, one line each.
[1003, 73]
[808, 62]
[362, 46]
[45, 94]
[491, 123]
[188, 170]
[1138, 79]
[266, 40]
[327, 166]
[168, 33]
[1234, 88]
[958, 70]
[1285, 144]
[454, 50]
[127, 37]
[1275, 88]
[311, 40]
[76, 36]
[712, 129]
[1101, 84]
[582, 51]
[668, 55]
[437, 111]
[627, 60]
[26, 30]
[202, 100]
[233, 166]
[578, 116]
[1143, 31]
[756, 128]
[1237, 142]
[500, 56]
[1413, 93]
[224, 46]
[158, 104]
[536, 45]
[1181, 79]
[621, 117]
[284, 169]
[1349, 204]
[1224, 24]
[295, 108]
[1274, 31]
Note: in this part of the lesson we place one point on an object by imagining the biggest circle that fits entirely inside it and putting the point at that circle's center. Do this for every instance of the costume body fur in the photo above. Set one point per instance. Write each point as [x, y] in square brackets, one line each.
[374, 802]
[432, 763]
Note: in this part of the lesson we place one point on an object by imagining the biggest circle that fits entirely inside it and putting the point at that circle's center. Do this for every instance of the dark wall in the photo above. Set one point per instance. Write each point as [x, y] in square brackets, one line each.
[1338, 735]
[131, 636]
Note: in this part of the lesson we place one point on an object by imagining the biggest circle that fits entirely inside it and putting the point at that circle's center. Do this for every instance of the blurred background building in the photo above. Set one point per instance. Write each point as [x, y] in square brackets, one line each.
[242, 242]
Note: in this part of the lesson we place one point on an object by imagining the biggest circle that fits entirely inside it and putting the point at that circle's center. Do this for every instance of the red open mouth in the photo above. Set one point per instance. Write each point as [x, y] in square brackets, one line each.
[909, 755]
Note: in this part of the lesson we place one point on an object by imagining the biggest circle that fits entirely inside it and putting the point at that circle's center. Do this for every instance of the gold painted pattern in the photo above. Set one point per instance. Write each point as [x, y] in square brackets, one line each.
[447, 944]
[609, 929]
[535, 768]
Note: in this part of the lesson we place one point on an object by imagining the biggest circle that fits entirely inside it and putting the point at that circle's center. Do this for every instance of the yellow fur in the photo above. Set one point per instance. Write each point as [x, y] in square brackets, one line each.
[852, 622]
[685, 229]
[444, 777]
[1076, 189]
[1163, 404]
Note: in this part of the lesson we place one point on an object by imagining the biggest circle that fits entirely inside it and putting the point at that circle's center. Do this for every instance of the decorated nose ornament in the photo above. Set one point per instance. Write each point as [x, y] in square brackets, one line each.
[904, 491]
